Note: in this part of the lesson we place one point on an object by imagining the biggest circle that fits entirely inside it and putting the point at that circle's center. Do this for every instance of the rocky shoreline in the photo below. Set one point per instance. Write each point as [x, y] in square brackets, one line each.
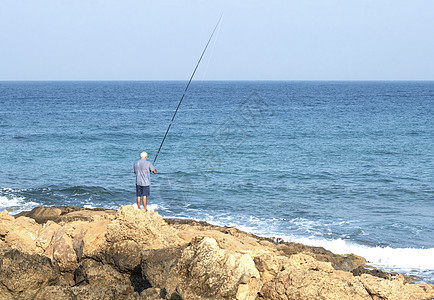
[80, 253]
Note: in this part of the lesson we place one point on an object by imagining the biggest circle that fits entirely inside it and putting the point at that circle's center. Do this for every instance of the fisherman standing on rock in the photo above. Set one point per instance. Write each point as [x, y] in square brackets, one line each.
[143, 168]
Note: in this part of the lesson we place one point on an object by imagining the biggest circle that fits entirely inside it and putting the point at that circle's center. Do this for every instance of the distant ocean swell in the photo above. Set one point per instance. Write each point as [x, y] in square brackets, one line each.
[345, 165]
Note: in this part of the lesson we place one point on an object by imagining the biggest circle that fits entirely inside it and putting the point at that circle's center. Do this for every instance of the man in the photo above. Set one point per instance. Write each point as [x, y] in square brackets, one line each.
[143, 168]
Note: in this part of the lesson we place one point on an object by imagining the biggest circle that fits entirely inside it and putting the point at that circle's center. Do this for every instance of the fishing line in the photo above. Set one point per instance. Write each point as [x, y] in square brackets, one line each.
[210, 56]
[185, 91]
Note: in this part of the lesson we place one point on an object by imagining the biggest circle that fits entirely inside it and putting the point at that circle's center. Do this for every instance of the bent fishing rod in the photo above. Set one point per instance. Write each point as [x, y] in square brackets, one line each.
[185, 91]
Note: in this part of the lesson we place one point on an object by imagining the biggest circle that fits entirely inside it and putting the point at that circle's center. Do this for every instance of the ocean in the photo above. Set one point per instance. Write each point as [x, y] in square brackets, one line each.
[348, 166]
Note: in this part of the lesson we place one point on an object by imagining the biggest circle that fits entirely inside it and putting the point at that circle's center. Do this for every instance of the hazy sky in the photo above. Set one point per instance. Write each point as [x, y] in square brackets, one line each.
[257, 40]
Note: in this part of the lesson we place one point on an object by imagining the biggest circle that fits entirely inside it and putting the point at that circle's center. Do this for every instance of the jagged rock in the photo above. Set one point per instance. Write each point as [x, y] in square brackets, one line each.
[303, 277]
[145, 228]
[339, 262]
[157, 265]
[153, 294]
[396, 289]
[130, 254]
[20, 233]
[88, 215]
[381, 274]
[203, 271]
[89, 238]
[269, 265]
[125, 255]
[97, 274]
[117, 292]
[23, 275]
[62, 251]
[45, 234]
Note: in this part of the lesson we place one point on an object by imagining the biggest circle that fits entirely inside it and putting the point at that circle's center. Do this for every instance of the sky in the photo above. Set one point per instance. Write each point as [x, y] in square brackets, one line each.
[256, 40]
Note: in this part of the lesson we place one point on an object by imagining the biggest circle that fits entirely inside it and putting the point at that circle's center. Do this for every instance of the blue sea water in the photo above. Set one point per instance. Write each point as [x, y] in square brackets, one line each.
[344, 165]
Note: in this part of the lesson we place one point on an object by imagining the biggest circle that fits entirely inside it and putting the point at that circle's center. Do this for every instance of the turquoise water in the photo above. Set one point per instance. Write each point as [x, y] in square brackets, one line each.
[344, 165]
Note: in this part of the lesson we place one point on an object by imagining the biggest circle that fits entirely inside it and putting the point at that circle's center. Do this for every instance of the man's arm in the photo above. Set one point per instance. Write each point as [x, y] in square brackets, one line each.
[152, 169]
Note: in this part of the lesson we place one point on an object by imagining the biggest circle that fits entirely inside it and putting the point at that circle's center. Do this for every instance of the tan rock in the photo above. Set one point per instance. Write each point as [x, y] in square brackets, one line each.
[87, 215]
[89, 237]
[45, 234]
[153, 294]
[125, 255]
[118, 292]
[269, 265]
[303, 277]
[380, 288]
[145, 228]
[205, 271]
[20, 233]
[62, 251]
[117, 255]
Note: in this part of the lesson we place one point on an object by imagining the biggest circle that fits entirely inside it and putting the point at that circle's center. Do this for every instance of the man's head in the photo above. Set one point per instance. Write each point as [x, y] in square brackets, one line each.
[144, 155]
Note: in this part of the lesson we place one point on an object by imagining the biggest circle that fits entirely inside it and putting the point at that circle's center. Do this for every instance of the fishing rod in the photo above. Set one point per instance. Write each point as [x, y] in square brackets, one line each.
[186, 88]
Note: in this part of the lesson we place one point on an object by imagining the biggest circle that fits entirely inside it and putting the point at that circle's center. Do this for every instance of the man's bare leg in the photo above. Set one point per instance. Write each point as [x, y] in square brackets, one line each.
[138, 202]
[145, 202]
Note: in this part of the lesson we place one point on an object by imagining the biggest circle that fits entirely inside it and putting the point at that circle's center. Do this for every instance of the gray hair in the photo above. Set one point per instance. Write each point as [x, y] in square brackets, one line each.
[143, 155]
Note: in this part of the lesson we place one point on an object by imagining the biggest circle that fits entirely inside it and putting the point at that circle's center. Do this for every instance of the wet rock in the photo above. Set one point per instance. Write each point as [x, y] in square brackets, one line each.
[339, 262]
[381, 274]
[66, 214]
[43, 214]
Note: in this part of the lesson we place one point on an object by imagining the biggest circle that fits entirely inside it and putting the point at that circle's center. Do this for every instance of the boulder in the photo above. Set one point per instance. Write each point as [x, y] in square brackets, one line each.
[43, 214]
[20, 233]
[89, 239]
[22, 275]
[396, 289]
[269, 265]
[202, 271]
[132, 254]
[157, 265]
[62, 251]
[45, 234]
[339, 262]
[95, 273]
[87, 215]
[303, 277]
[145, 228]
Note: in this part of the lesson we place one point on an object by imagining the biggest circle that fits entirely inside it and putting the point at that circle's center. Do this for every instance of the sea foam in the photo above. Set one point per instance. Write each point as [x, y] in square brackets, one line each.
[15, 204]
[385, 257]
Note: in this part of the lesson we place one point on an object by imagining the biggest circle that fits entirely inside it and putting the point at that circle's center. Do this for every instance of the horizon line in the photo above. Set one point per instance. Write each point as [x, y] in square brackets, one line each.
[217, 80]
